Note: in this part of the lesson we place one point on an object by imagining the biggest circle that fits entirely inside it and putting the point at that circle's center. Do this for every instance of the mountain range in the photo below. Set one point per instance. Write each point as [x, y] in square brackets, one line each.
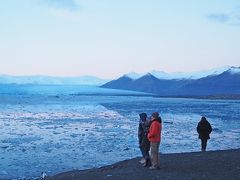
[218, 82]
[180, 75]
[49, 80]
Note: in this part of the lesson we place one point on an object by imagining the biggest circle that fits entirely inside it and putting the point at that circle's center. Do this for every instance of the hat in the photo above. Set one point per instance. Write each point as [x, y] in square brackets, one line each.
[203, 118]
[143, 116]
[155, 115]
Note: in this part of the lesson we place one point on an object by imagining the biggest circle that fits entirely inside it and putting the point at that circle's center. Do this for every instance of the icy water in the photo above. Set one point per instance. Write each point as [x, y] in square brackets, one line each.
[59, 128]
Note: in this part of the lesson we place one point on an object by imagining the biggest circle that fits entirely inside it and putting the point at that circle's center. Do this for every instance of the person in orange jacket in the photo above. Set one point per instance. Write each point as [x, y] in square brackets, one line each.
[154, 137]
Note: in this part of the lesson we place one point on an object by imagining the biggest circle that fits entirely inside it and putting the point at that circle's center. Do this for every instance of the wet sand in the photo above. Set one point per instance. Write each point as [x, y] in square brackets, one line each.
[219, 165]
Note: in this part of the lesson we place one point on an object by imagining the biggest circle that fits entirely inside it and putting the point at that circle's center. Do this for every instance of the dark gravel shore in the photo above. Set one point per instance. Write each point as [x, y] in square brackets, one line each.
[219, 165]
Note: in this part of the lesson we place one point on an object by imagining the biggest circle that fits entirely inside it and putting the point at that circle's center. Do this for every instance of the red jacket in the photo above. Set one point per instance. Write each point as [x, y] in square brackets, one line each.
[155, 130]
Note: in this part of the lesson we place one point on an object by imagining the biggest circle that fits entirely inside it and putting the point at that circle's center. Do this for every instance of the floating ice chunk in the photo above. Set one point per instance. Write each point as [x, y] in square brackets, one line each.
[217, 130]
[86, 112]
[4, 172]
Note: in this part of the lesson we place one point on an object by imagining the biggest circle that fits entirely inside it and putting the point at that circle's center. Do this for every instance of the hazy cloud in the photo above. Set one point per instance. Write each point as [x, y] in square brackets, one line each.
[69, 5]
[222, 18]
[66, 9]
[231, 18]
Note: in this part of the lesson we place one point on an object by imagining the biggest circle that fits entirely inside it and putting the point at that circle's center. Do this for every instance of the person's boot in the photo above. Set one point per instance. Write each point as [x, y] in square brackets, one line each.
[148, 163]
[142, 161]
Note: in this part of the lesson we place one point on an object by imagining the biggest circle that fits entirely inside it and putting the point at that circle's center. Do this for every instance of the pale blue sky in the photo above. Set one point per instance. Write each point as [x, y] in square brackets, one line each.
[107, 38]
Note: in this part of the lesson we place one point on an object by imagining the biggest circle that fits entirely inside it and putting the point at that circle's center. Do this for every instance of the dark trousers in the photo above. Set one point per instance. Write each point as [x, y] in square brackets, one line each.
[204, 144]
[146, 156]
[144, 145]
[145, 152]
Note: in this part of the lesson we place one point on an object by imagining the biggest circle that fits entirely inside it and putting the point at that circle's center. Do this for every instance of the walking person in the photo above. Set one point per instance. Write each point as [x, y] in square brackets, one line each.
[144, 143]
[204, 128]
[154, 137]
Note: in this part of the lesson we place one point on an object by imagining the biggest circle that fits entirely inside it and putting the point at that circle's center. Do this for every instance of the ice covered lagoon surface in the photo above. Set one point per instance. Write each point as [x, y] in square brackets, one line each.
[59, 128]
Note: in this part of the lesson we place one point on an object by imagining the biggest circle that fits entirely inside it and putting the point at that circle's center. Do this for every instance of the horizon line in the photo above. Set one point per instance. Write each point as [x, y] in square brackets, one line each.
[100, 77]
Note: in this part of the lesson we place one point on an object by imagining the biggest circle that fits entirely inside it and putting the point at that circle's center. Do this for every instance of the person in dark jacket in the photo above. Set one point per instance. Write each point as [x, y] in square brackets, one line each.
[204, 128]
[144, 143]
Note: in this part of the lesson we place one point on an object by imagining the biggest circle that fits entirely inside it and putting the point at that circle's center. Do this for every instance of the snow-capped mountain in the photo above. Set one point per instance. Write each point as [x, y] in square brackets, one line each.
[48, 80]
[212, 82]
[134, 75]
[234, 70]
[180, 75]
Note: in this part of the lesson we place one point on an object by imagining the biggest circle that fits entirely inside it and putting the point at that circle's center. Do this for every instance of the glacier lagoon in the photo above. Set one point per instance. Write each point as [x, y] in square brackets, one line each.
[59, 128]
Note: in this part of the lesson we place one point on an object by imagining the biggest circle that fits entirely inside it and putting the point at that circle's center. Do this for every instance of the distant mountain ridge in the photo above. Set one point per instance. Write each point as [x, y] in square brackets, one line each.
[49, 80]
[180, 75]
[225, 83]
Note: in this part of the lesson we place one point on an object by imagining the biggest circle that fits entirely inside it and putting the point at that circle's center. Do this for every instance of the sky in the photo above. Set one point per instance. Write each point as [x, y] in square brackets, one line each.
[108, 38]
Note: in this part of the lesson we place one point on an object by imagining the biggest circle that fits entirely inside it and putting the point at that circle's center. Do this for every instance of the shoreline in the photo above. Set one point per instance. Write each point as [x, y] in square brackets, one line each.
[219, 165]
[207, 97]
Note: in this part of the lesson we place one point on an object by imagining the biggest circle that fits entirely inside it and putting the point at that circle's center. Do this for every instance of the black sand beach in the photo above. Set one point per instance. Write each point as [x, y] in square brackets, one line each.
[219, 165]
